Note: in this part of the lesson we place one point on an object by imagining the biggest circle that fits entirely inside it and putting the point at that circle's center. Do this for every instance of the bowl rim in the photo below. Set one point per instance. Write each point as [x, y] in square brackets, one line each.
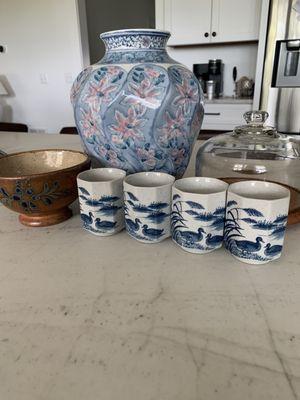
[29, 176]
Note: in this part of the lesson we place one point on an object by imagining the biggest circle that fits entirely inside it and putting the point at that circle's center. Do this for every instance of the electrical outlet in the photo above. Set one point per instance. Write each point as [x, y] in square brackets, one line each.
[44, 78]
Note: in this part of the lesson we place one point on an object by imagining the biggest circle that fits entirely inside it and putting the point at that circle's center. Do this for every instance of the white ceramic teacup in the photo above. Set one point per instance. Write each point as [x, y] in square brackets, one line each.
[147, 207]
[198, 211]
[101, 200]
[256, 216]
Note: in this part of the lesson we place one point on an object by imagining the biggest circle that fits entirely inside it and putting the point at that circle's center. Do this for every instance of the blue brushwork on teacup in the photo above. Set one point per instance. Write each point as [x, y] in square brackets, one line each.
[256, 217]
[101, 200]
[198, 210]
[147, 206]
[87, 219]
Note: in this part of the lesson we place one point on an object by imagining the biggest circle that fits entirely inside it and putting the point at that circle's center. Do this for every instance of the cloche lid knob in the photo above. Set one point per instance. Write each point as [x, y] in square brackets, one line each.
[256, 117]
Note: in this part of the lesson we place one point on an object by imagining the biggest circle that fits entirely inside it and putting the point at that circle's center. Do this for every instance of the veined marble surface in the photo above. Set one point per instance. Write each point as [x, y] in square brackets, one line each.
[85, 317]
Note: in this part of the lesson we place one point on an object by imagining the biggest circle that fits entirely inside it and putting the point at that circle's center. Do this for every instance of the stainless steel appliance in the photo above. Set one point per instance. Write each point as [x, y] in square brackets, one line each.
[210, 89]
[212, 71]
[286, 70]
[215, 73]
[281, 79]
[201, 73]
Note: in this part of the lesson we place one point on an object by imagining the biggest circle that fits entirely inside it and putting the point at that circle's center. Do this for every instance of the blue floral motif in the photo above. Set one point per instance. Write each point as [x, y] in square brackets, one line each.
[209, 234]
[145, 117]
[135, 39]
[268, 242]
[136, 57]
[30, 199]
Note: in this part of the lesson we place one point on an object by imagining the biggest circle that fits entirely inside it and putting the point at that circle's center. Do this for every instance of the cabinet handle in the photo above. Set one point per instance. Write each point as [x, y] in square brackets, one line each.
[214, 34]
[206, 34]
[208, 113]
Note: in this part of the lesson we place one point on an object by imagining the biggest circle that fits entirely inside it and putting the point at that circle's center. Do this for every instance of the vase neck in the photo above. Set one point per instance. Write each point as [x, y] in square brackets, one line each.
[135, 39]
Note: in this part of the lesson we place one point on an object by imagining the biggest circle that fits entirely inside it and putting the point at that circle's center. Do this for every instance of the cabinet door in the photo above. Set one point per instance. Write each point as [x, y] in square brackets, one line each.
[188, 21]
[224, 116]
[235, 20]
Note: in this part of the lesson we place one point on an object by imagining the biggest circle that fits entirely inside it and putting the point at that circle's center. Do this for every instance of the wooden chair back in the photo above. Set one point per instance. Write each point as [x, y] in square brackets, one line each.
[13, 127]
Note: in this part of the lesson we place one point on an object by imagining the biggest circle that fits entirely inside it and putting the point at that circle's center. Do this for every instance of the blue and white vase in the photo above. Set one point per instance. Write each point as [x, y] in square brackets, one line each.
[137, 109]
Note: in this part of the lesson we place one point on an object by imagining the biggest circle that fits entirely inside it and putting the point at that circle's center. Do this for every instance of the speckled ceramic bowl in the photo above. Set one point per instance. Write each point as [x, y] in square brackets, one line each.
[40, 184]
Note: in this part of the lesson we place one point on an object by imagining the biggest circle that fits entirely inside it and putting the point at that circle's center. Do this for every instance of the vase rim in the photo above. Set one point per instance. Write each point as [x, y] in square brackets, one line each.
[136, 31]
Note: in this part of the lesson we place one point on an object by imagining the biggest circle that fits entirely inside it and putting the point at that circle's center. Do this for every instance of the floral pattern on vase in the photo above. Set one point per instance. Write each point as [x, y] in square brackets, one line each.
[79, 82]
[141, 114]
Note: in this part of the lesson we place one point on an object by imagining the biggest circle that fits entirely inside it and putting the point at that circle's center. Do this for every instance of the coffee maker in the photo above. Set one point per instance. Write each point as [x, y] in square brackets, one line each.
[212, 71]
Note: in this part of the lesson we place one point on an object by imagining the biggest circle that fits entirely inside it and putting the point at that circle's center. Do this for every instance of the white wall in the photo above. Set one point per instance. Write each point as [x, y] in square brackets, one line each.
[42, 37]
[241, 55]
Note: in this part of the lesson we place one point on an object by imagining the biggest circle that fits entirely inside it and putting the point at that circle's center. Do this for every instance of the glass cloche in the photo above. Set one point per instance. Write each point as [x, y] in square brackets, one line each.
[254, 151]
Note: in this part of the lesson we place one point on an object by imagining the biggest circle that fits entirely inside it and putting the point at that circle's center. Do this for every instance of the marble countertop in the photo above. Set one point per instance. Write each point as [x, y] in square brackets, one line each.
[84, 317]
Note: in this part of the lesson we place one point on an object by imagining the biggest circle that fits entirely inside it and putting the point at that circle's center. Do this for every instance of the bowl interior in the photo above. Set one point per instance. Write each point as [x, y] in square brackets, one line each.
[39, 162]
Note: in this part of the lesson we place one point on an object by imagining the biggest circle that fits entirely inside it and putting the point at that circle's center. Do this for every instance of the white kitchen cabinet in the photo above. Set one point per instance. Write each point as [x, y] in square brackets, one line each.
[235, 20]
[188, 20]
[224, 116]
[194, 22]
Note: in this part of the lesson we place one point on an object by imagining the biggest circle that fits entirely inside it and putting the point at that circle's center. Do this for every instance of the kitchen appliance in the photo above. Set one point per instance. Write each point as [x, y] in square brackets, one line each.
[286, 71]
[201, 73]
[210, 89]
[215, 73]
[281, 79]
[257, 152]
[212, 71]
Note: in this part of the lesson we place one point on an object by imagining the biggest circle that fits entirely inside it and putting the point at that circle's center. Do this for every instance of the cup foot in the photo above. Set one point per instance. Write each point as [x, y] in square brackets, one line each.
[46, 219]
[195, 250]
[102, 234]
[254, 262]
[145, 240]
